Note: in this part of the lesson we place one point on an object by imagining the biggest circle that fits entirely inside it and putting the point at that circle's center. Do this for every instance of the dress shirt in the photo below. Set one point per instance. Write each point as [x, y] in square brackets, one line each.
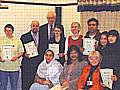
[35, 37]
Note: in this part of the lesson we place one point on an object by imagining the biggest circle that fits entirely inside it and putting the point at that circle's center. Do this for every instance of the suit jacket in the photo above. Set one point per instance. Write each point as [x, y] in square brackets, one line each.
[44, 29]
[42, 46]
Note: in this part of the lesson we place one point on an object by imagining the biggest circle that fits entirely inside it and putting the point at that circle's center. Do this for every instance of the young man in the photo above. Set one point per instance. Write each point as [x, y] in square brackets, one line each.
[10, 52]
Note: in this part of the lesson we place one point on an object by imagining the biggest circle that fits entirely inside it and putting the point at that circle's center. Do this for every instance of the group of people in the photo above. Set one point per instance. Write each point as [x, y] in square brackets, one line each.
[68, 68]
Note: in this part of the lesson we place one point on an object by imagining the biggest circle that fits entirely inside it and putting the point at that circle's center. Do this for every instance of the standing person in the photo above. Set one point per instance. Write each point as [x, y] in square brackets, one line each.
[71, 71]
[49, 27]
[74, 39]
[59, 40]
[90, 77]
[48, 72]
[30, 64]
[10, 52]
[103, 43]
[111, 58]
[93, 31]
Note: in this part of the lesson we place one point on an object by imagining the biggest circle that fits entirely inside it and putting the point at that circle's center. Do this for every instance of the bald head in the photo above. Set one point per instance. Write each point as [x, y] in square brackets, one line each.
[34, 26]
[51, 17]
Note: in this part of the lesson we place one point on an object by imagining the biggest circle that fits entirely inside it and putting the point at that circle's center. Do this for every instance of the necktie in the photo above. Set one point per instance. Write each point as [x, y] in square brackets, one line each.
[35, 38]
[51, 31]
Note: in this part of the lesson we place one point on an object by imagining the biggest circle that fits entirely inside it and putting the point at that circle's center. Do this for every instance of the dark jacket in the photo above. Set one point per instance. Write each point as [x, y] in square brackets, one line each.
[97, 36]
[111, 59]
[29, 65]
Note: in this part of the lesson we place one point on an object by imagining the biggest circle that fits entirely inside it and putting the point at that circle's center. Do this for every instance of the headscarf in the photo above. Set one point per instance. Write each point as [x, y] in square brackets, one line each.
[115, 33]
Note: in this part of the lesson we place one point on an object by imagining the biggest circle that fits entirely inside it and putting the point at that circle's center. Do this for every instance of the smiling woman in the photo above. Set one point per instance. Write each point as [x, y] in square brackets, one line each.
[48, 72]
[90, 77]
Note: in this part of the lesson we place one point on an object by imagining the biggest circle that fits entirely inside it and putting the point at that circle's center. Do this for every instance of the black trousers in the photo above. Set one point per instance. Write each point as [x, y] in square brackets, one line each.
[28, 72]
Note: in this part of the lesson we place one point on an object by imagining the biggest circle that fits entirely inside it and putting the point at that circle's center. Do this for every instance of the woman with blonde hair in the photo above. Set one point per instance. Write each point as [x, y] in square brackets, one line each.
[90, 78]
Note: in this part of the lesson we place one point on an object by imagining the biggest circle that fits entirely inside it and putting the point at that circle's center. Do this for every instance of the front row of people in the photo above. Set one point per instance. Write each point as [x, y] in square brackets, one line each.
[77, 74]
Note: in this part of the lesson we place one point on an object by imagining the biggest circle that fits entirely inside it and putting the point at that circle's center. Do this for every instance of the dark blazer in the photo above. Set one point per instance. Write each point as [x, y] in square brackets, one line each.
[42, 46]
[44, 28]
[29, 65]
[97, 36]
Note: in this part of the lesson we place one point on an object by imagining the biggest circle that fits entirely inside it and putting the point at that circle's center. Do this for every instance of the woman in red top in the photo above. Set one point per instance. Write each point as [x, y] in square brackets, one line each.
[74, 39]
[90, 77]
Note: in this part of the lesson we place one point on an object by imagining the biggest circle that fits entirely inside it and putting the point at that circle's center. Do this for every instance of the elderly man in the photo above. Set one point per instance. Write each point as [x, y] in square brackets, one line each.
[49, 27]
[31, 60]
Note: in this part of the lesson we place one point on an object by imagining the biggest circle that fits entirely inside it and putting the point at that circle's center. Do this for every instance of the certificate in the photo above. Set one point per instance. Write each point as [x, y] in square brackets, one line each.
[55, 49]
[31, 49]
[58, 87]
[106, 77]
[7, 52]
[88, 45]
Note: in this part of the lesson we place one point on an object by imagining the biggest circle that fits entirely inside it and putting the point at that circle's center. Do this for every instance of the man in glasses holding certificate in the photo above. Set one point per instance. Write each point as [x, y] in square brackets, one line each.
[10, 52]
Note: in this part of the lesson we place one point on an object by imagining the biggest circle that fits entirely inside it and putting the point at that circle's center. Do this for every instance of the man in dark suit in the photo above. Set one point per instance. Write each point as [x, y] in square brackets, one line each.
[50, 26]
[30, 63]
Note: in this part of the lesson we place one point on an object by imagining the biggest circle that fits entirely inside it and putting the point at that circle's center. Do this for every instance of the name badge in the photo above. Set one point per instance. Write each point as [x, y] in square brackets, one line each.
[89, 83]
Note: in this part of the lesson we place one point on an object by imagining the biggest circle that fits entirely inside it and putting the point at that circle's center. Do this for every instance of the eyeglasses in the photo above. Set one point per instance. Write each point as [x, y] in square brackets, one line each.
[91, 24]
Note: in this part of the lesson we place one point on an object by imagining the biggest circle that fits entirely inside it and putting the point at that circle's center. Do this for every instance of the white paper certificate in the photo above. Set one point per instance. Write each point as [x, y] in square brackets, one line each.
[88, 45]
[58, 87]
[7, 52]
[55, 49]
[106, 77]
[31, 49]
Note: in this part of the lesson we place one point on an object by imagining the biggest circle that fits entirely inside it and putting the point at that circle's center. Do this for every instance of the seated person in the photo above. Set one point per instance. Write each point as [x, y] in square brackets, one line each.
[48, 72]
[90, 78]
[70, 75]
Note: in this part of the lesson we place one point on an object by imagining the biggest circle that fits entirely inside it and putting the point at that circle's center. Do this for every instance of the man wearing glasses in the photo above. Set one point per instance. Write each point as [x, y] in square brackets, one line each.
[93, 31]
[47, 29]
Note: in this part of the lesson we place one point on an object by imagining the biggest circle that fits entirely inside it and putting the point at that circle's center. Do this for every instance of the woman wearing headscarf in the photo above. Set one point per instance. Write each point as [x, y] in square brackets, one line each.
[103, 42]
[90, 77]
[111, 58]
[73, 68]
[48, 73]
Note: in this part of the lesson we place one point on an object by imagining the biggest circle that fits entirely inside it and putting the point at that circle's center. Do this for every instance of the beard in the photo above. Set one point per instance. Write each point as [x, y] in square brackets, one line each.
[35, 30]
[91, 30]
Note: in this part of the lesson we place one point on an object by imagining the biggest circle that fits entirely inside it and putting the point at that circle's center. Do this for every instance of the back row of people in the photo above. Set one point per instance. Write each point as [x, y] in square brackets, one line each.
[42, 37]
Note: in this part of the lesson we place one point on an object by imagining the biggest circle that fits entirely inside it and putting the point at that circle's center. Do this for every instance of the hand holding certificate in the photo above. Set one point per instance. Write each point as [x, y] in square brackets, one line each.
[31, 49]
[106, 77]
[88, 45]
[55, 49]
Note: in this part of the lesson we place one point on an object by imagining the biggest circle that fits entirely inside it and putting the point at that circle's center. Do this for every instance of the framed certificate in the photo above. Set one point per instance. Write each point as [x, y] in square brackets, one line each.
[55, 49]
[106, 77]
[31, 49]
[7, 52]
[88, 45]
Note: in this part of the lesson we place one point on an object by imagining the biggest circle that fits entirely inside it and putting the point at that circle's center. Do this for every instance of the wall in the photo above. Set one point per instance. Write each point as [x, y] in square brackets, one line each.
[21, 16]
